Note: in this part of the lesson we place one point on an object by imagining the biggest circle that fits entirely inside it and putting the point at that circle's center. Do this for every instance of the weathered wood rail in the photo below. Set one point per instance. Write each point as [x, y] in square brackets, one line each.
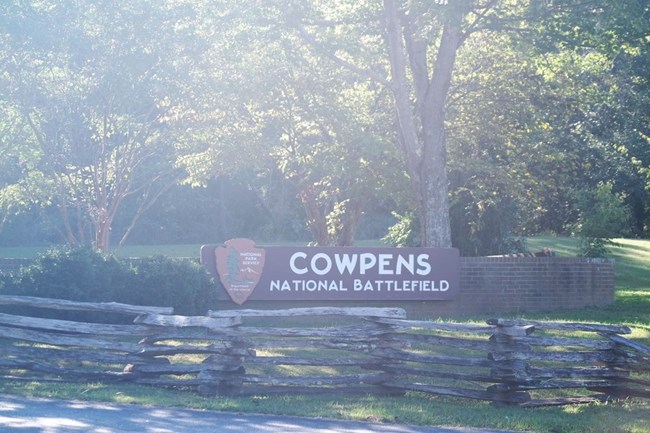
[316, 350]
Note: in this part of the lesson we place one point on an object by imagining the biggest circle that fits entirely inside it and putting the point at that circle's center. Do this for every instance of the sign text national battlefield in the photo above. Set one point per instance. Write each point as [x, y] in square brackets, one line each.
[330, 274]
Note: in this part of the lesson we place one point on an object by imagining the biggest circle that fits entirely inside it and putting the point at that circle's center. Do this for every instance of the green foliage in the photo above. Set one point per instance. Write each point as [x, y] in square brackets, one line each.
[94, 92]
[404, 233]
[602, 215]
[591, 95]
[169, 282]
[101, 104]
[81, 274]
[484, 225]
[76, 274]
[480, 225]
[594, 247]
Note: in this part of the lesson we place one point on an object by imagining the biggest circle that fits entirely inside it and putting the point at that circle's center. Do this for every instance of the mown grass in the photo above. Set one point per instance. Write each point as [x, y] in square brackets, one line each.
[631, 258]
[632, 308]
[629, 416]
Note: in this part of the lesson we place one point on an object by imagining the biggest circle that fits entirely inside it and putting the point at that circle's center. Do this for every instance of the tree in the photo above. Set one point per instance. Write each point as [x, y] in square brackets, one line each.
[602, 215]
[316, 127]
[17, 158]
[16, 162]
[592, 60]
[416, 64]
[488, 115]
[496, 109]
[101, 88]
[423, 139]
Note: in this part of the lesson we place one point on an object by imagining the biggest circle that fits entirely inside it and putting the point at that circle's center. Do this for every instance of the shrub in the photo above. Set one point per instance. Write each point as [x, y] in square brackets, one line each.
[168, 282]
[81, 274]
[405, 232]
[602, 215]
[484, 222]
[75, 274]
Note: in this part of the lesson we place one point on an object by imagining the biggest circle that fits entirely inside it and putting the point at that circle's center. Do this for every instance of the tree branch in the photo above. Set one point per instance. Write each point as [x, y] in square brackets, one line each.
[406, 123]
[480, 15]
[417, 53]
[368, 73]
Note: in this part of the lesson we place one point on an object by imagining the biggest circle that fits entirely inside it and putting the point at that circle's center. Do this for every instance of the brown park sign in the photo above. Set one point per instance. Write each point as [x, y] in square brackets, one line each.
[248, 272]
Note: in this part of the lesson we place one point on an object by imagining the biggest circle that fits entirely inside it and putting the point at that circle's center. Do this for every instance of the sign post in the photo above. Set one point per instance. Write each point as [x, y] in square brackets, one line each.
[248, 272]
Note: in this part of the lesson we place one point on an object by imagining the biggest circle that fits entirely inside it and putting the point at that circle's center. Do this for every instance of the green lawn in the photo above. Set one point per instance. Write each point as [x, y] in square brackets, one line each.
[20, 252]
[631, 258]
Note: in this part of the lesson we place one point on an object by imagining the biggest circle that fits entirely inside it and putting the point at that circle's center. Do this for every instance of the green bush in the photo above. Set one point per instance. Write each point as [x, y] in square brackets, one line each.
[483, 222]
[405, 232]
[602, 215]
[167, 282]
[81, 274]
[75, 274]
[594, 247]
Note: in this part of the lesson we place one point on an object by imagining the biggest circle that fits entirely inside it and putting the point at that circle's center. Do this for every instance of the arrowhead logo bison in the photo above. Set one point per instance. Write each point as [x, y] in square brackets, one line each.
[240, 265]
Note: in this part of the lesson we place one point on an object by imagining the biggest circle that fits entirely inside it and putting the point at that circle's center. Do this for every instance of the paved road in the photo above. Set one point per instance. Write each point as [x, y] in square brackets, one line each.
[22, 415]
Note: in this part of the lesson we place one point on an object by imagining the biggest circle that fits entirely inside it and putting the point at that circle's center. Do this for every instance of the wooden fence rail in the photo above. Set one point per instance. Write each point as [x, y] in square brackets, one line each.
[316, 350]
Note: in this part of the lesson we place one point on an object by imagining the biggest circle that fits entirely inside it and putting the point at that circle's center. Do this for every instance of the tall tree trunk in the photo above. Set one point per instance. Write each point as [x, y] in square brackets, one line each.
[316, 221]
[436, 225]
[423, 139]
[348, 222]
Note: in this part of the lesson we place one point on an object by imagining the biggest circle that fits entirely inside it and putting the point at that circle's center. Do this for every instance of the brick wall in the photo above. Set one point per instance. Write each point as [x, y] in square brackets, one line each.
[498, 284]
[491, 285]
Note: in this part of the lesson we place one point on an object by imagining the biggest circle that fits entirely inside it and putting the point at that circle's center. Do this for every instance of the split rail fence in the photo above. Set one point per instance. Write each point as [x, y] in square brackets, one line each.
[317, 350]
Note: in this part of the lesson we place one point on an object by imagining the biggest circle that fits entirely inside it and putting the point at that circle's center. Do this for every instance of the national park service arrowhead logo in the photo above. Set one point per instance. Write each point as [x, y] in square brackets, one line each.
[240, 265]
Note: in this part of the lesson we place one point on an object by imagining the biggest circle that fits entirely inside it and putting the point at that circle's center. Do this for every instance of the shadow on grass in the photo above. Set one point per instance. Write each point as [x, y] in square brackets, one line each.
[22, 415]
